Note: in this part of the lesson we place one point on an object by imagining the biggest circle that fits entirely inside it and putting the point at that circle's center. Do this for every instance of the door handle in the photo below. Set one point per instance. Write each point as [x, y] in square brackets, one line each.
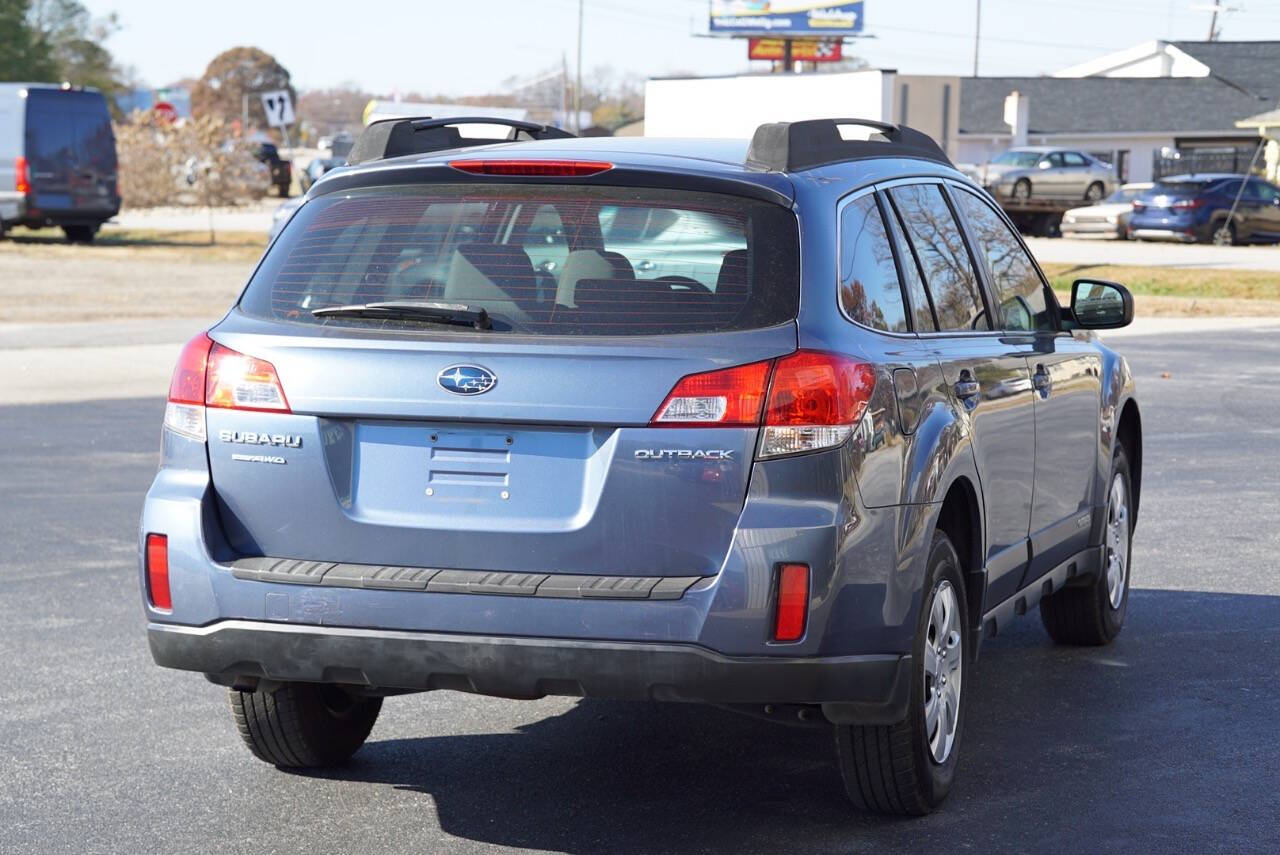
[967, 387]
[1040, 380]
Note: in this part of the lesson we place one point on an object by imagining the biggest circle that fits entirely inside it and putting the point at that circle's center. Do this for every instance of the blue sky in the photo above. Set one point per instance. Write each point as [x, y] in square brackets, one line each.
[462, 47]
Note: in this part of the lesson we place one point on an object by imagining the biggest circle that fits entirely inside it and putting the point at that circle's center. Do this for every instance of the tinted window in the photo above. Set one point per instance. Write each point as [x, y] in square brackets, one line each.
[1055, 159]
[69, 129]
[1228, 188]
[869, 289]
[471, 244]
[1072, 158]
[948, 270]
[1179, 188]
[51, 138]
[912, 278]
[1262, 190]
[1017, 284]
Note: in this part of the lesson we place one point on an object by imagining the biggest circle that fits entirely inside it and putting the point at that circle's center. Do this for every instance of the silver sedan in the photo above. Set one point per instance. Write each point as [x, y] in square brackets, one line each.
[1043, 172]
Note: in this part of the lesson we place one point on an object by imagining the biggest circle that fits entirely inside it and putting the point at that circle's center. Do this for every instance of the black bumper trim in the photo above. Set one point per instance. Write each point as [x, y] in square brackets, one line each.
[387, 578]
[871, 688]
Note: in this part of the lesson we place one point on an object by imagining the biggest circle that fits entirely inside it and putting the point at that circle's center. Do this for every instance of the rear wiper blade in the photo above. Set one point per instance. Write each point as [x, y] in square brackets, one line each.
[445, 313]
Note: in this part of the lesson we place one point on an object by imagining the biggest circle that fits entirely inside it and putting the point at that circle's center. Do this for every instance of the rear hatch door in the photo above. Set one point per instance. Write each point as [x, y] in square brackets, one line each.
[524, 447]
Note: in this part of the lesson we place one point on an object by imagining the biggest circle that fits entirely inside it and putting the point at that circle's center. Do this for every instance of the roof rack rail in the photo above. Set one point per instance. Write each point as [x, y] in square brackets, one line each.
[792, 146]
[423, 134]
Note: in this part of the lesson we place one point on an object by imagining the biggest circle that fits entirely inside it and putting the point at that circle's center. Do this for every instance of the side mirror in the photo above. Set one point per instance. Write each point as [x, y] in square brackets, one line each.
[1044, 164]
[1100, 305]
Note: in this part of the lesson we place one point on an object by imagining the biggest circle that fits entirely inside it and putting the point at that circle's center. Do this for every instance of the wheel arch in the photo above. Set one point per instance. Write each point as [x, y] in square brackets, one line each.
[960, 516]
[1129, 434]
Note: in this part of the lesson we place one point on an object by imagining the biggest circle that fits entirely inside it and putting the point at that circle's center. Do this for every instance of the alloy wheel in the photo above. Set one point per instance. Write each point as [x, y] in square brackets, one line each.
[1117, 540]
[943, 668]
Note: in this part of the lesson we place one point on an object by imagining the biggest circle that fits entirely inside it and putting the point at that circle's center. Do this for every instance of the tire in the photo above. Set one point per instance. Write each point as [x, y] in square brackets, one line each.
[303, 725]
[1223, 234]
[1022, 189]
[80, 234]
[1092, 614]
[896, 769]
[1094, 192]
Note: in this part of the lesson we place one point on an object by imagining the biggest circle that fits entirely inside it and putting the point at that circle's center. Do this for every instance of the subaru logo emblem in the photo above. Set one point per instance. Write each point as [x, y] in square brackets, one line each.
[466, 379]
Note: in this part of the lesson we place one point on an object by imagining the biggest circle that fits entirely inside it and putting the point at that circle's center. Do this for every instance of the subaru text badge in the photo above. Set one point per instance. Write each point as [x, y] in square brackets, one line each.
[466, 379]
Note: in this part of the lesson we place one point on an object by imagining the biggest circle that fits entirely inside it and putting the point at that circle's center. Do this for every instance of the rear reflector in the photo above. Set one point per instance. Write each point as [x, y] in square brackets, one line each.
[21, 176]
[157, 558]
[728, 398]
[553, 168]
[793, 602]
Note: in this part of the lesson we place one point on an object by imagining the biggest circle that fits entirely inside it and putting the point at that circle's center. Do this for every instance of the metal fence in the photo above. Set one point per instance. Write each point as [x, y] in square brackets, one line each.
[1227, 159]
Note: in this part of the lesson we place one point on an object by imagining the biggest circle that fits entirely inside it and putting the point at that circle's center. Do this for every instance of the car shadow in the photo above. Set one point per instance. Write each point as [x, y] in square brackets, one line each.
[1150, 743]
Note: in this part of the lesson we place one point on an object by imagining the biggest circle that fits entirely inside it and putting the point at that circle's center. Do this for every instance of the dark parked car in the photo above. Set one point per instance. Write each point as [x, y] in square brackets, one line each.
[281, 169]
[317, 168]
[57, 159]
[1198, 209]
[805, 488]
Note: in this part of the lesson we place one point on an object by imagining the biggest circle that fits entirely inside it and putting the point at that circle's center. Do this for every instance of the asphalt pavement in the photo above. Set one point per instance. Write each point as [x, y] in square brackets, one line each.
[1164, 742]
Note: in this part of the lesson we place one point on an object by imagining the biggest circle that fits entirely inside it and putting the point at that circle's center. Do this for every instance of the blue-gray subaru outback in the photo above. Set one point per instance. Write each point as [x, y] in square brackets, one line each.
[786, 428]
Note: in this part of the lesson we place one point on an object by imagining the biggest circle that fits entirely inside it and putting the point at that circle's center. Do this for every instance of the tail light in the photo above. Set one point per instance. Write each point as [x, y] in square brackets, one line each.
[793, 602]
[554, 168]
[157, 565]
[211, 375]
[729, 398]
[806, 401]
[1188, 204]
[21, 176]
[815, 399]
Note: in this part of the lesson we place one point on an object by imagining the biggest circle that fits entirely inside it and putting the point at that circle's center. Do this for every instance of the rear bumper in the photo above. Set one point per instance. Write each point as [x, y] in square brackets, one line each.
[870, 689]
[1180, 236]
[1110, 230]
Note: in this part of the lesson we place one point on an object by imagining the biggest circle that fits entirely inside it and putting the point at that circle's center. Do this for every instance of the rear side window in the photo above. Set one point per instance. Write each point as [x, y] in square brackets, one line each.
[938, 244]
[1018, 287]
[539, 259]
[869, 290]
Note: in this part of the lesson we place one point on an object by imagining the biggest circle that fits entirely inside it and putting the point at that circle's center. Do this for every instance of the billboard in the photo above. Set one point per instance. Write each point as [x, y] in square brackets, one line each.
[784, 18]
[802, 50]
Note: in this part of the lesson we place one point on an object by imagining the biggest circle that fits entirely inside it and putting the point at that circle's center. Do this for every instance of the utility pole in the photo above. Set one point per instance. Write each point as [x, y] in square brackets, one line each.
[1213, 24]
[977, 38]
[577, 87]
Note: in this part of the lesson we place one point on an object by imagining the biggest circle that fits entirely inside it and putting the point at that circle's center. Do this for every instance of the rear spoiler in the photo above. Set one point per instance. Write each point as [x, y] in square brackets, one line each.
[421, 135]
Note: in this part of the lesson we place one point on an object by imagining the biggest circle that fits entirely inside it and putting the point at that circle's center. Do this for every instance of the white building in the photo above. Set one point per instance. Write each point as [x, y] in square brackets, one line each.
[1127, 107]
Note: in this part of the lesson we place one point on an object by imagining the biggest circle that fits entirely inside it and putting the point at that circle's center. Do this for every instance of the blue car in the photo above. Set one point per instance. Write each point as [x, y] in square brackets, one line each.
[1198, 209]
[787, 427]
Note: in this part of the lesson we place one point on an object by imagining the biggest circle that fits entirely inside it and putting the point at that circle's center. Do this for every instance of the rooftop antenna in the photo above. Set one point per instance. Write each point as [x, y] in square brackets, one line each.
[1217, 9]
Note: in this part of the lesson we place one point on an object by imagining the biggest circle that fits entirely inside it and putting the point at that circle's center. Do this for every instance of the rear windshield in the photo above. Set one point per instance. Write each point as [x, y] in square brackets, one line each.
[65, 128]
[548, 260]
[1174, 188]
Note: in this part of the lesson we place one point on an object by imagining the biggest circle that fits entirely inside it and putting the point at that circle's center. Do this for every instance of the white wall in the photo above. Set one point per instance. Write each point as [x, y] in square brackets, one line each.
[735, 106]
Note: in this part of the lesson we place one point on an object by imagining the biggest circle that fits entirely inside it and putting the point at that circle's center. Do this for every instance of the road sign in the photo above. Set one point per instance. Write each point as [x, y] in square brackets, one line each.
[166, 111]
[279, 108]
